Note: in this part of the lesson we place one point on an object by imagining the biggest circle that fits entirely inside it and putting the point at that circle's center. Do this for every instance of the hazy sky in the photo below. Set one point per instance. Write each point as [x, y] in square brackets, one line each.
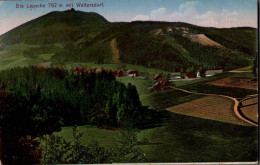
[213, 13]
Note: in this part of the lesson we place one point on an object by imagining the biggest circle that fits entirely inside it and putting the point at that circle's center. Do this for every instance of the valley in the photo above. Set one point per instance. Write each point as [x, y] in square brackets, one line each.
[168, 82]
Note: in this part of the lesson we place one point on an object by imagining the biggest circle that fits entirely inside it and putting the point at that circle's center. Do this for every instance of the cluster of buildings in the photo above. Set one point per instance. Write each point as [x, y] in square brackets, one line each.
[116, 72]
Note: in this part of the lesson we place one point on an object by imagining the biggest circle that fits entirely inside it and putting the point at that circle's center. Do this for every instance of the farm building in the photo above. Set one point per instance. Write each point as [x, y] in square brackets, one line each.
[190, 75]
[77, 69]
[132, 73]
[118, 73]
[162, 84]
[199, 74]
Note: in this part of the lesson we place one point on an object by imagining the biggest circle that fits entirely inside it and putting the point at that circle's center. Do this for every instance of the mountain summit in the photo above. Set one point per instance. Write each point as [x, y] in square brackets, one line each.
[56, 27]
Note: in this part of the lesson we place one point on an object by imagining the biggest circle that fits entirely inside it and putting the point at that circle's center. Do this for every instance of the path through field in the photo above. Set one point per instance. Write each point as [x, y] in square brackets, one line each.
[214, 107]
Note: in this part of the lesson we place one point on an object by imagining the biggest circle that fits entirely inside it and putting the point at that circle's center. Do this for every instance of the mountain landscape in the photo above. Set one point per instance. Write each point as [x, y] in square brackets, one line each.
[76, 88]
[85, 37]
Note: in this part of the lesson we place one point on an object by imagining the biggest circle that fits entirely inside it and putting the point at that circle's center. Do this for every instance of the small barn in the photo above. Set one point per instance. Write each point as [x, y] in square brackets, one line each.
[118, 73]
[132, 73]
[190, 75]
[162, 84]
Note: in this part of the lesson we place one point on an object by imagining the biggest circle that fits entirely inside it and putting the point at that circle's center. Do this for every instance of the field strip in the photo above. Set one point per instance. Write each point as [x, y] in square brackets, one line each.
[240, 71]
[235, 82]
[235, 105]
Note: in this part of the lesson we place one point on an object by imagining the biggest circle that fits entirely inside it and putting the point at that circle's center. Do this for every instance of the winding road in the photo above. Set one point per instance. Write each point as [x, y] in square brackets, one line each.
[236, 109]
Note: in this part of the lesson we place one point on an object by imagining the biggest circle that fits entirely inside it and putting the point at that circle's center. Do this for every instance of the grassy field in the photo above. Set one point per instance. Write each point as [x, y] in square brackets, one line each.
[46, 57]
[165, 99]
[103, 136]
[184, 139]
[243, 75]
[248, 68]
[13, 56]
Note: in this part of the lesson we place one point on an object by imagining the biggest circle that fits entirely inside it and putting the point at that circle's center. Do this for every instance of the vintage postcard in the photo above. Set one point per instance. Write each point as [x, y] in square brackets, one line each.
[129, 81]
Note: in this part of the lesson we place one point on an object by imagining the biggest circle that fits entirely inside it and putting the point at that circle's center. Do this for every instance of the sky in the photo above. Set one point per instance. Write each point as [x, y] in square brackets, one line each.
[209, 13]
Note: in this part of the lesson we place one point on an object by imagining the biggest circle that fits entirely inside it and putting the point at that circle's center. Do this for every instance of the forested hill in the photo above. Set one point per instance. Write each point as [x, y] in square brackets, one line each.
[57, 27]
[87, 37]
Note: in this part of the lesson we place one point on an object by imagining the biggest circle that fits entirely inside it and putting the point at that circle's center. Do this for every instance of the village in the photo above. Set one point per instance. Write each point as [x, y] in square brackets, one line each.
[161, 81]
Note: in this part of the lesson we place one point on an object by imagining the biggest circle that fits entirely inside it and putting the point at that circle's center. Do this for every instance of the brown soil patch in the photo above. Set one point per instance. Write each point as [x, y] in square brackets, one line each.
[236, 83]
[251, 112]
[210, 107]
[203, 40]
[251, 108]
[115, 50]
[250, 101]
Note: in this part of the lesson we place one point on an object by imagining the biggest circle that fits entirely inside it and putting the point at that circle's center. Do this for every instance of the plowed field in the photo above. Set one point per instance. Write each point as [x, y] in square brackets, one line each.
[210, 107]
[236, 83]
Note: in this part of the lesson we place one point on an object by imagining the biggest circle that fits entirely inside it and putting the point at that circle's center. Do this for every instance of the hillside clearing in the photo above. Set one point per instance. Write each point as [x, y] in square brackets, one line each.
[115, 50]
[203, 40]
[210, 107]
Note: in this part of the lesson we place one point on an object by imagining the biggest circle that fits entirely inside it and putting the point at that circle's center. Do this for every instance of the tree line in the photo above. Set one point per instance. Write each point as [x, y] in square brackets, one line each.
[66, 99]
